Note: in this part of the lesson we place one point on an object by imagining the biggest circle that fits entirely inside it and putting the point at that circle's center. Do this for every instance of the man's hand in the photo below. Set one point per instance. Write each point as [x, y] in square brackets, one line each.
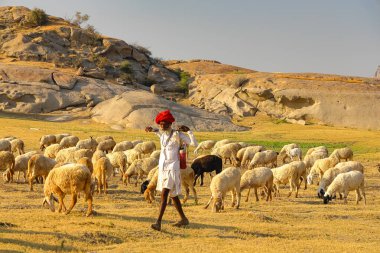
[149, 129]
[183, 128]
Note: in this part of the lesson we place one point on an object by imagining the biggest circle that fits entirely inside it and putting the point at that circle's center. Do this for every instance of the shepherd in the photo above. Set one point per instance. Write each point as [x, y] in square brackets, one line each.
[169, 176]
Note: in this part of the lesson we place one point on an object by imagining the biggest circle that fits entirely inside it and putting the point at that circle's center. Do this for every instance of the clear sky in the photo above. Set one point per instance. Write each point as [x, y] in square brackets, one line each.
[324, 36]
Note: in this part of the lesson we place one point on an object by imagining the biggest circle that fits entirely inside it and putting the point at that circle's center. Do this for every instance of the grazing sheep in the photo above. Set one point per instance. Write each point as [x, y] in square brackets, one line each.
[249, 153]
[227, 151]
[103, 138]
[207, 163]
[295, 152]
[52, 150]
[259, 177]
[118, 160]
[21, 165]
[263, 158]
[322, 149]
[47, 140]
[204, 145]
[240, 154]
[7, 163]
[345, 182]
[285, 150]
[284, 174]
[187, 181]
[151, 187]
[135, 142]
[87, 144]
[39, 166]
[132, 155]
[17, 145]
[68, 179]
[78, 154]
[227, 180]
[140, 167]
[156, 154]
[145, 148]
[343, 153]
[103, 170]
[66, 155]
[244, 144]
[301, 170]
[331, 173]
[59, 137]
[86, 162]
[69, 141]
[220, 143]
[320, 166]
[122, 146]
[310, 159]
[97, 154]
[106, 146]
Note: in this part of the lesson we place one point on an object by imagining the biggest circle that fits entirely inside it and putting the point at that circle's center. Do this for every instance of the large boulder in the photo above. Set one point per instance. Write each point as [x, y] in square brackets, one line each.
[137, 109]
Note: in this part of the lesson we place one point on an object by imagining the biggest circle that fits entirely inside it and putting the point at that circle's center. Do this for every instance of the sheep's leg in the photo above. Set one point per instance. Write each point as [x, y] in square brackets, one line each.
[238, 198]
[61, 196]
[89, 203]
[345, 194]
[233, 198]
[257, 197]
[31, 178]
[73, 202]
[363, 192]
[208, 203]
[357, 196]
[18, 177]
[202, 175]
[195, 194]
[269, 193]
[99, 186]
[249, 191]
[195, 179]
[187, 191]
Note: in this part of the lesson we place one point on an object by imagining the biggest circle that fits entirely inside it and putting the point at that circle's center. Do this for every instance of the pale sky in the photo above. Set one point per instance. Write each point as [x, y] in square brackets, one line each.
[324, 36]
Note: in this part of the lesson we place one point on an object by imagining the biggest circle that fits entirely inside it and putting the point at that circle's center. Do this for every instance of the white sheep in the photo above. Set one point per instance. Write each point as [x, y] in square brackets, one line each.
[240, 154]
[17, 145]
[310, 159]
[156, 154]
[68, 179]
[132, 155]
[66, 155]
[118, 160]
[87, 144]
[52, 150]
[259, 177]
[97, 155]
[204, 145]
[344, 183]
[227, 180]
[47, 140]
[135, 142]
[295, 152]
[103, 138]
[7, 163]
[103, 170]
[140, 167]
[59, 137]
[343, 153]
[264, 158]
[284, 174]
[145, 148]
[220, 143]
[122, 146]
[39, 166]
[249, 153]
[320, 166]
[21, 165]
[331, 173]
[106, 145]
[317, 149]
[151, 187]
[285, 150]
[69, 141]
[227, 151]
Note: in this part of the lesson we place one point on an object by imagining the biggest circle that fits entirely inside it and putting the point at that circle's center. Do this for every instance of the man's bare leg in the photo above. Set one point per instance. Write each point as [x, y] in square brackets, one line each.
[177, 204]
[164, 201]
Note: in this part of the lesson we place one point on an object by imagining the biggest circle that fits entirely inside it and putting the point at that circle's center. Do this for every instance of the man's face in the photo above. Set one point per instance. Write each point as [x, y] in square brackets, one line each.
[165, 125]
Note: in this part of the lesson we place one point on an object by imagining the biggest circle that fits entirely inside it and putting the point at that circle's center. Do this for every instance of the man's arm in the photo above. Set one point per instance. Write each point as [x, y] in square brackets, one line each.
[188, 138]
[154, 130]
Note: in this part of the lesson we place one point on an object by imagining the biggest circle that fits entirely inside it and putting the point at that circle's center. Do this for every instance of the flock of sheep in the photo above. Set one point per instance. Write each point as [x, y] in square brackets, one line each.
[67, 165]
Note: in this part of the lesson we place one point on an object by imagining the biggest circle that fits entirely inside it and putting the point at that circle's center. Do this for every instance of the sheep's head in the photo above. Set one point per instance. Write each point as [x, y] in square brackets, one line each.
[321, 193]
[326, 198]
[49, 200]
[218, 204]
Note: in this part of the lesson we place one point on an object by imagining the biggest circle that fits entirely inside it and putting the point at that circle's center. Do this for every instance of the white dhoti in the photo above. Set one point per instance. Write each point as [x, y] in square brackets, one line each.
[169, 177]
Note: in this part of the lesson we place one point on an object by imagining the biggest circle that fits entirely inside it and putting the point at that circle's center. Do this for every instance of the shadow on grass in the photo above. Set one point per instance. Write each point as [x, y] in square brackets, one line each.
[37, 246]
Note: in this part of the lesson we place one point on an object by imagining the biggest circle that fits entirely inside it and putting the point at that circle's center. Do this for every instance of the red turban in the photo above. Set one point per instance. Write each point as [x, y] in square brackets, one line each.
[164, 116]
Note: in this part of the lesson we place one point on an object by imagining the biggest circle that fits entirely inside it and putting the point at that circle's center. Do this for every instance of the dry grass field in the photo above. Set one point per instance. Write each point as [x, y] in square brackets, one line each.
[122, 218]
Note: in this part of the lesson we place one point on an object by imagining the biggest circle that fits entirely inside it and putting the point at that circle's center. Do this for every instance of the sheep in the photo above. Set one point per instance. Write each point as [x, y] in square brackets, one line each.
[285, 150]
[156, 154]
[187, 179]
[318, 149]
[263, 158]
[310, 159]
[103, 170]
[151, 187]
[52, 150]
[118, 160]
[228, 151]
[78, 154]
[68, 179]
[207, 163]
[204, 145]
[135, 142]
[66, 155]
[39, 165]
[59, 137]
[87, 144]
[21, 165]
[7, 163]
[86, 162]
[146, 147]
[220, 143]
[259, 177]
[17, 145]
[131, 156]
[140, 167]
[343, 153]
[294, 152]
[122, 146]
[287, 173]
[69, 141]
[97, 154]
[244, 144]
[103, 138]
[345, 182]
[301, 170]
[47, 140]
[320, 166]
[249, 153]
[106, 146]
[240, 154]
[9, 138]
[331, 173]
[227, 180]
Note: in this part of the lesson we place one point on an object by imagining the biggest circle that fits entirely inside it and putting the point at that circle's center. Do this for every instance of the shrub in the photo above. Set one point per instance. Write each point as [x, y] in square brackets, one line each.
[125, 67]
[184, 81]
[142, 49]
[37, 17]
[102, 62]
[78, 18]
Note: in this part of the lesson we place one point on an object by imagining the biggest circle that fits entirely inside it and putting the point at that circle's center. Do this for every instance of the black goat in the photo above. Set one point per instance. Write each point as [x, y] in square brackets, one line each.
[204, 164]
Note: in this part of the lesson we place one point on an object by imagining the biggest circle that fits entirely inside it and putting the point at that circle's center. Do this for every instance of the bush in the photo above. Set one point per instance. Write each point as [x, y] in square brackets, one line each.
[79, 18]
[125, 67]
[184, 81]
[142, 49]
[37, 17]
[102, 62]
